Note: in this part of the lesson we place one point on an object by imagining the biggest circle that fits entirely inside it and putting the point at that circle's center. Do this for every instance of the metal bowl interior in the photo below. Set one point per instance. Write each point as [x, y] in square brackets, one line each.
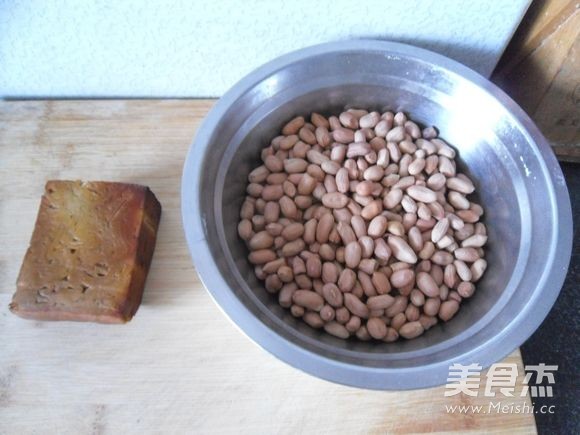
[518, 181]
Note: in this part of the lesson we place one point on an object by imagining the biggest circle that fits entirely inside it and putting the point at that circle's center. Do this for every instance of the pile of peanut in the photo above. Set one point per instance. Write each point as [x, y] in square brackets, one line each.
[361, 225]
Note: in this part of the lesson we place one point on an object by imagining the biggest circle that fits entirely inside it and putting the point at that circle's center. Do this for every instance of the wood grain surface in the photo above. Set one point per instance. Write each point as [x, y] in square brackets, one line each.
[180, 366]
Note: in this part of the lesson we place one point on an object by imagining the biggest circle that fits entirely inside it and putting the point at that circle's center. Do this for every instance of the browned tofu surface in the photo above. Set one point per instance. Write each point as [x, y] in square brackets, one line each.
[89, 254]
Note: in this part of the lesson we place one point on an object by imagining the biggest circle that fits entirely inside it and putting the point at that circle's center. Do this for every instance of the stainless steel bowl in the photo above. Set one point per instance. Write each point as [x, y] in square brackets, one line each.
[518, 179]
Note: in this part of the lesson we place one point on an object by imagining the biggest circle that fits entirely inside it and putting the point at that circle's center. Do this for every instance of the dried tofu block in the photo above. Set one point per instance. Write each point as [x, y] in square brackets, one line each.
[89, 254]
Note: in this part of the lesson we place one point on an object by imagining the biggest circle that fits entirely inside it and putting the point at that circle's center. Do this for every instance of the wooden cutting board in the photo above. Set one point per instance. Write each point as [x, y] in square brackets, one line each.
[180, 366]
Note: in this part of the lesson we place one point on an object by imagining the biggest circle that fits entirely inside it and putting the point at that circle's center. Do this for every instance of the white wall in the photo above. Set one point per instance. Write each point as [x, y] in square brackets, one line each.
[64, 48]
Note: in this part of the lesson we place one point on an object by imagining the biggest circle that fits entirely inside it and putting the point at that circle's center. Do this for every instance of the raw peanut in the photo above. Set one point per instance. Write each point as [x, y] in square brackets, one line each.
[313, 319]
[306, 185]
[415, 239]
[398, 306]
[466, 254]
[342, 214]
[401, 250]
[448, 310]
[353, 324]
[396, 228]
[404, 182]
[319, 120]
[326, 313]
[273, 283]
[397, 134]
[436, 181]
[359, 226]
[458, 201]
[382, 251]
[381, 283]
[343, 135]
[417, 298]
[327, 252]
[336, 329]
[338, 152]
[477, 269]
[421, 193]
[352, 254]
[455, 222]
[412, 313]
[408, 204]
[297, 311]
[407, 147]
[450, 276]
[316, 157]
[346, 233]
[357, 149]
[477, 241]
[460, 185]
[248, 209]
[446, 167]
[292, 248]
[376, 328]
[355, 306]
[347, 280]
[330, 167]
[329, 272]
[417, 166]
[261, 240]
[285, 274]
[332, 295]
[342, 180]
[427, 284]
[377, 227]
[392, 335]
[273, 164]
[427, 321]
[307, 136]
[293, 126]
[367, 265]
[412, 129]
[468, 216]
[349, 120]
[314, 267]
[245, 229]
[322, 136]
[380, 302]
[462, 270]
[465, 289]
[371, 210]
[402, 278]
[285, 295]
[431, 164]
[262, 256]
[366, 283]
[273, 266]
[442, 258]
[288, 207]
[393, 198]
[367, 246]
[411, 330]
[293, 231]
[293, 166]
[308, 299]
[427, 251]
[334, 200]
[429, 133]
[374, 173]
[431, 307]
[324, 227]
[439, 230]
[370, 120]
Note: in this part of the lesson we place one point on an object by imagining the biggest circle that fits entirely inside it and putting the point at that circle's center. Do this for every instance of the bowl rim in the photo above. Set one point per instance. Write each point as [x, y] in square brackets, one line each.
[318, 365]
